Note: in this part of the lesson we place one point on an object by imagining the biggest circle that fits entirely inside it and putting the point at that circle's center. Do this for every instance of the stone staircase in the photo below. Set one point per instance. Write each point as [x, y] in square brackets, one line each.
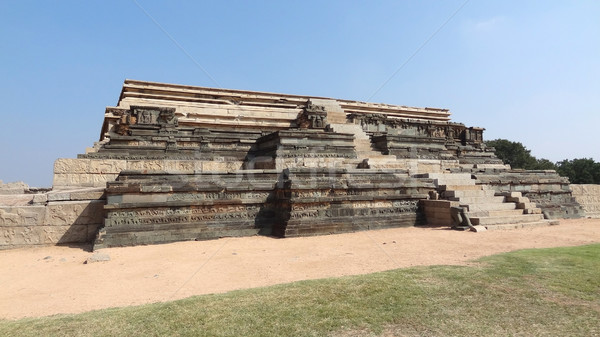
[366, 155]
[485, 207]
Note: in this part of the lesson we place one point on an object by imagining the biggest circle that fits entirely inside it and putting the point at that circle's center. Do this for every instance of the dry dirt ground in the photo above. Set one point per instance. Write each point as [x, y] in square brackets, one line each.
[51, 280]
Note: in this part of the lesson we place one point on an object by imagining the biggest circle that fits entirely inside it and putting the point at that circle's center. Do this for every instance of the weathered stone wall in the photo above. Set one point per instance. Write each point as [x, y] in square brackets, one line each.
[52, 218]
[83, 172]
[588, 196]
[160, 207]
[325, 201]
[86, 172]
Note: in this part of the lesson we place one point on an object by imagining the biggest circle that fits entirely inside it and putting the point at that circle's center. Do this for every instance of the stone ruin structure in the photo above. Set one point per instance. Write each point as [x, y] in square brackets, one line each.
[178, 162]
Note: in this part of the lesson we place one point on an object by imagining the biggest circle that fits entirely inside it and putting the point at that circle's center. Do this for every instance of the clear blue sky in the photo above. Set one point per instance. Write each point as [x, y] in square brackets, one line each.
[527, 71]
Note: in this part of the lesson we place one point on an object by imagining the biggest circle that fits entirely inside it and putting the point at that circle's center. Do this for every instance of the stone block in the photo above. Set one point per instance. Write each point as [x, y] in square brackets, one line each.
[97, 257]
[13, 188]
[91, 194]
[42, 235]
[22, 215]
[40, 199]
[89, 166]
[69, 181]
[74, 213]
[16, 199]
[59, 196]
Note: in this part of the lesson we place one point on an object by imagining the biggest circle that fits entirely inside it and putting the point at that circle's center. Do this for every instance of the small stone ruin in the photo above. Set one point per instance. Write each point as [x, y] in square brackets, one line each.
[177, 162]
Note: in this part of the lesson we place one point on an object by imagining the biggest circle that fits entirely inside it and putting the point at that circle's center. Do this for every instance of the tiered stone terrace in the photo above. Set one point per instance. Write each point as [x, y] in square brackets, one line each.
[177, 162]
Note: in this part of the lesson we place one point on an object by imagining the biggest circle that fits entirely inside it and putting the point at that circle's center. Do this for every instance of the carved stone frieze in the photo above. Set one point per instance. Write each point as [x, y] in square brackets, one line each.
[312, 117]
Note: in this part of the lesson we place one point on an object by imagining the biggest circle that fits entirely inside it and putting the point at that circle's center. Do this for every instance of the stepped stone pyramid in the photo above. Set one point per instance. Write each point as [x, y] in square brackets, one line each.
[177, 162]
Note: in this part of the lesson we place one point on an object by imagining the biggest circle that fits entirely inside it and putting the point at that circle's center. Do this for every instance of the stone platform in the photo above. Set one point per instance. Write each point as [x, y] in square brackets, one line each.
[176, 162]
[329, 201]
[160, 207]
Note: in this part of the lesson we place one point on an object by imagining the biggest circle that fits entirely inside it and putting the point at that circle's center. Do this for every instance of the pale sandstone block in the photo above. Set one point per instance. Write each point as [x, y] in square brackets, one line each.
[221, 166]
[82, 166]
[42, 235]
[92, 194]
[68, 165]
[183, 166]
[150, 165]
[62, 181]
[16, 199]
[13, 236]
[107, 166]
[13, 188]
[40, 198]
[74, 212]
[60, 196]
[142, 198]
[22, 215]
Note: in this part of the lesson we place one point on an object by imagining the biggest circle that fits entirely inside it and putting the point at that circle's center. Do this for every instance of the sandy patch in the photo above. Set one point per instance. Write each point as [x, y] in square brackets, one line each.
[51, 280]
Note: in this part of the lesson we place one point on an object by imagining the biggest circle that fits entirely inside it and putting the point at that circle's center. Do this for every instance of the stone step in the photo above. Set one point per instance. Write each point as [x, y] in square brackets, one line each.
[446, 182]
[460, 176]
[462, 187]
[492, 166]
[478, 200]
[518, 199]
[354, 129]
[460, 179]
[514, 219]
[365, 149]
[468, 193]
[512, 194]
[378, 160]
[494, 206]
[525, 205]
[376, 156]
[532, 211]
[543, 223]
[495, 213]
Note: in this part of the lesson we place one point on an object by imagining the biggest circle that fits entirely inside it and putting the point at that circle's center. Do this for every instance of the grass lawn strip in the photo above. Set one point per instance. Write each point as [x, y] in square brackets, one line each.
[539, 292]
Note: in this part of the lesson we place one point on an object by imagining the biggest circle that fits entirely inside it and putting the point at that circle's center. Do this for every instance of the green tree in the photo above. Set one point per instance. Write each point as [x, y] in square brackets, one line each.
[513, 153]
[544, 164]
[580, 171]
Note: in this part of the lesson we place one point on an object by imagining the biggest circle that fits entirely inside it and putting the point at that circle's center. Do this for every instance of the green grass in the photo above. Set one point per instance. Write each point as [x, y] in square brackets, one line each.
[546, 292]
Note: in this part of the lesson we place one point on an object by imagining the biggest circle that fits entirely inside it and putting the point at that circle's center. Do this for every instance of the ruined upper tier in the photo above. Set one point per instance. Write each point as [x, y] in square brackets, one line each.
[212, 107]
